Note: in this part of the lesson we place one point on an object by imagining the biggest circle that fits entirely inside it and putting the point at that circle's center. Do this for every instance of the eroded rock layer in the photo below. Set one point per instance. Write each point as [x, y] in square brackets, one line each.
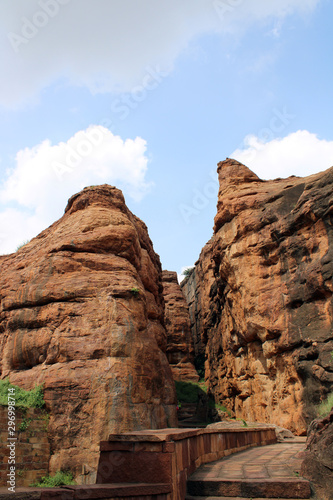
[82, 312]
[177, 323]
[260, 296]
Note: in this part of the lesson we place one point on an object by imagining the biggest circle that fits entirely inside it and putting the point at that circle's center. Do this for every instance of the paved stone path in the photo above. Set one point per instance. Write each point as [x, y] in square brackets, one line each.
[274, 465]
[276, 460]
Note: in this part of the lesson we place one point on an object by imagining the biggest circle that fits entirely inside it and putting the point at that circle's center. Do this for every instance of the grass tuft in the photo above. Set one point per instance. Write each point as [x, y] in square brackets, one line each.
[22, 245]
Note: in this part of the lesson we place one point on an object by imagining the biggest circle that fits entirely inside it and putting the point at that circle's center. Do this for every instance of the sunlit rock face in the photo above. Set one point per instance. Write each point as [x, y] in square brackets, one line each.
[260, 296]
[82, 312]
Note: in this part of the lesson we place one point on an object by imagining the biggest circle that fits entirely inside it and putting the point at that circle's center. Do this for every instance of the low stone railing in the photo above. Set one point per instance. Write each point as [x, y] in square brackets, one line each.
[153, 465]
[170, 456]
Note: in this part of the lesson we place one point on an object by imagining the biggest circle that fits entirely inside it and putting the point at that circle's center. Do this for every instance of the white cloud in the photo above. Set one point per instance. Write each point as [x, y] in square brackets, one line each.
[36, 190]
[300, 153]
[108, 45]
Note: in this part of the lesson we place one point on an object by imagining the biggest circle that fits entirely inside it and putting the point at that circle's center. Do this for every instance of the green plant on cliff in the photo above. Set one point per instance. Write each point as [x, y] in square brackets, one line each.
[326, 406]
[135, 291]
[61, 478]
[188, 271]
[22, 245]
[23, 398]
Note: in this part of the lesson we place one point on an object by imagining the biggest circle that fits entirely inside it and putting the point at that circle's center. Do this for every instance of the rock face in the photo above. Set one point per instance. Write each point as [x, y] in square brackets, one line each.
[317, 466]
[178, 328]
[82, 313]
[260, 296]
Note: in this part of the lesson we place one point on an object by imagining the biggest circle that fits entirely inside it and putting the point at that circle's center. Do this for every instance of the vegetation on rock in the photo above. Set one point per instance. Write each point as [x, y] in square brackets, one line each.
[61, 478]
[326, 406]
[188, 271]
[23, 398]
[22, 245]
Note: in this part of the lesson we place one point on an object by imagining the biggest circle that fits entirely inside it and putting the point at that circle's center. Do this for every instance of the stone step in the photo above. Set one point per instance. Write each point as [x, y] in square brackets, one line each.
[250, 488]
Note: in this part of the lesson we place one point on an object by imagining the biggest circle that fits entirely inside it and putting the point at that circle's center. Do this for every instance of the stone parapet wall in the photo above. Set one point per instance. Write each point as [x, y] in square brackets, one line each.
[32, 448]
[170, 456]
[101, 492]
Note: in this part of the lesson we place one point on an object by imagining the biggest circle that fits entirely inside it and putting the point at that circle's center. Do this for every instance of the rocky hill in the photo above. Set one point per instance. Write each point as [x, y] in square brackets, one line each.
[82, 312]
[260, 296]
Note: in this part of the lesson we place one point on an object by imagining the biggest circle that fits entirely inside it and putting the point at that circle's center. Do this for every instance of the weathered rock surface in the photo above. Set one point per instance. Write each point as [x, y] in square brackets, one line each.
[260, 296]
[82, 312]
[317, 466]
[177, 323]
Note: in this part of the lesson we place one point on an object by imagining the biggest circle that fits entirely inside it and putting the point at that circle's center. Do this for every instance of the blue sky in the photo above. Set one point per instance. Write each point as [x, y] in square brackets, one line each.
[149, 96]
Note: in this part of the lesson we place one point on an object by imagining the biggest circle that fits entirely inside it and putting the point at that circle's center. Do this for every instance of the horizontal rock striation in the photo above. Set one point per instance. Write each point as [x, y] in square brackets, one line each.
[260, 296]
[179, 349]
[82, 312]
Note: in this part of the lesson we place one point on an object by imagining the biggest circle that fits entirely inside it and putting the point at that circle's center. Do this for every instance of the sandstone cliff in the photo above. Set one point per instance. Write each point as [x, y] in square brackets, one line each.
[82, 312]
[260, 296]
[177, 323]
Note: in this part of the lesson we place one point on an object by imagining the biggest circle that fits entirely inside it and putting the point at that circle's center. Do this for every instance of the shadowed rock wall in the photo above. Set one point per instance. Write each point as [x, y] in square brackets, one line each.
[180, 350]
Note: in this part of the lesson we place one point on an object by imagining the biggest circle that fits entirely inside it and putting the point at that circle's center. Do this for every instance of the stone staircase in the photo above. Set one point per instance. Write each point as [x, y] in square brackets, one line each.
[267, 472]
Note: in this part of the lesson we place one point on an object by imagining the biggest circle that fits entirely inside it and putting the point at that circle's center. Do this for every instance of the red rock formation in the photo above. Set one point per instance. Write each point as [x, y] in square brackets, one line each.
[260, 296]
[177, 323]
[82, 313]
[317, 466]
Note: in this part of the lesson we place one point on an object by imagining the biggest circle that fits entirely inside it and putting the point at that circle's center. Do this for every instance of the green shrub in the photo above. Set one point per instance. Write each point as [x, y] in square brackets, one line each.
[22, 245]
[187, 392]
[61, 478]
[188, 271]
[326, 406]
[135, 291]
[23, 398]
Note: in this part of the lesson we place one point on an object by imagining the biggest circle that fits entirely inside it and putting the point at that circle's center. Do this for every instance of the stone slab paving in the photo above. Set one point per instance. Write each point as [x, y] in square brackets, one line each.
[281, 460]
[273, 468]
